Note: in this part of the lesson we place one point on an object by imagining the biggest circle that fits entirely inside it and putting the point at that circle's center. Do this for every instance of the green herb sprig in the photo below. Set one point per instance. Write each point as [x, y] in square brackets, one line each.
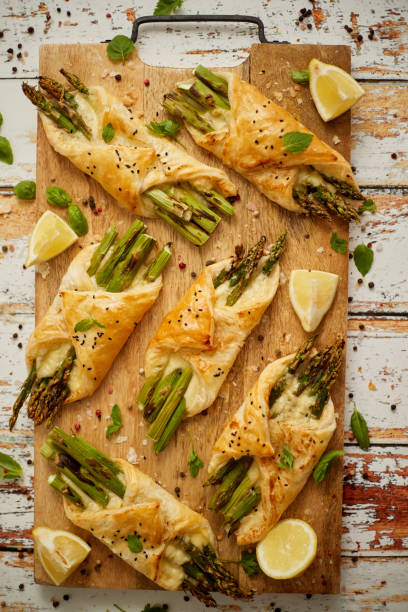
[25, 190]
[165, 7]
[367, 205]
[300, 76]
[324, 466]
[9, 468]
[286, 462]
[360, 429]
[135, 544]
[119, 48]
[116, 421]
[84, 324]
[6, 152]
[108, 132]
[338, 244]
[58, 197]
[363, 258]
[296, 142]
[167, 128]
[194, 463]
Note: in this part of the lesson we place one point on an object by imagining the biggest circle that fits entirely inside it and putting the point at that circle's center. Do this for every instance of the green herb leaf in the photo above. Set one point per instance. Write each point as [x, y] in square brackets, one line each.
[58, 197]
[363, 258]
[108, 132]
[116, 422]
[301, 76]
[194, 463]
[249, 563]
[1, 119]
[135, 544]
[296, 142]
[164, 128]
[367, 205]
[338, 244]
[119, 48]
[25, 190]
[154, 608]
[6, 153]
[324, 466]
[286, 462]
[85, 324]
[77, 221]
[165, 7]
[360, 429]
[9, 468]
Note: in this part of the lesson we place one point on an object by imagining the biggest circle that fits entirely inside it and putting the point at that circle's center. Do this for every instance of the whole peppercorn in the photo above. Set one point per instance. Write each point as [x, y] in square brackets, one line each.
[30, 30]
[147, 82]
[118, 77]
[77, 426]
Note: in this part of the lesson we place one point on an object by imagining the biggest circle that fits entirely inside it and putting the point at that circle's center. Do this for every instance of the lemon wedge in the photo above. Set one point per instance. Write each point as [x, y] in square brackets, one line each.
[333, 90]
[287, 550]
[311, 294]
[50, 237]
[60, 552]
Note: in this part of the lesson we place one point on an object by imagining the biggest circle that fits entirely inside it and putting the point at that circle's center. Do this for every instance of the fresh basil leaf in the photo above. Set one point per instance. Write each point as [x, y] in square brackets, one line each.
[25, 190]
[108, 132]
[367, 205]
[249, 563]
[360, 429]
[116, 421]
[6, 153]
[119, 48]
[164, 128]
[134, 543]
[86, 324]
[286, 462]
[324, 466]
[194, 463]
[338, 244]
[300, 76]
[1, 119]
[58, 197]
[76, 220]
[363, 258]
[165, 7]
[296, 142]
[9, 468]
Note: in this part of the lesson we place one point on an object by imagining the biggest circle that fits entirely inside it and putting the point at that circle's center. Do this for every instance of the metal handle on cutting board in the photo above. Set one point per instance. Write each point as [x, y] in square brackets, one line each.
[188, 18]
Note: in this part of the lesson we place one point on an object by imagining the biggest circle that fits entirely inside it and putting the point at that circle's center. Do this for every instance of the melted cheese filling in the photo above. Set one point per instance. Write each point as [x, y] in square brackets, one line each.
[194, 388]
[174, 556]
[292, 408]
[258, 286]
[309, 177]
[49, 362]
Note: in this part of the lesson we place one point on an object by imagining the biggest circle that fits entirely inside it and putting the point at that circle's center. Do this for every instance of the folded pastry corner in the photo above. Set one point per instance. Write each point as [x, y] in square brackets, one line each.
[198, 341]
[150, 175]
[105, 292]
[238, 124]
[137, 519]
[266, 453]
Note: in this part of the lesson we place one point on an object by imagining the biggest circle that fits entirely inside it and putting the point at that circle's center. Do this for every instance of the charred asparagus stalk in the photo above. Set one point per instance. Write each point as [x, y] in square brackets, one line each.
[57, 91]
[158, 264]
[204, 95]
[212, 80]
[74, 81]
[103, 247]
[98, 477]
[44, 105]
[179, 106]
[335, 203]
[65, 103]
[126, 270]
[24, 393]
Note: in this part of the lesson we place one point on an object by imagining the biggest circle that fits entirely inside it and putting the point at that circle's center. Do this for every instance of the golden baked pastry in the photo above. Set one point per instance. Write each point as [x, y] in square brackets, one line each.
[198, 341]
[137, 519]
[268, 450]
[262, 141]
[147, 174]
[104, 294]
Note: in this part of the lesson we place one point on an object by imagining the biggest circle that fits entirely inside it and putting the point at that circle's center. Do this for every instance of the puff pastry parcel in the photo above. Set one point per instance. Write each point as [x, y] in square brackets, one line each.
[136, 518]
[267, 451]
[147, 174]
[75, 343]
[248, 132]
[198, 341]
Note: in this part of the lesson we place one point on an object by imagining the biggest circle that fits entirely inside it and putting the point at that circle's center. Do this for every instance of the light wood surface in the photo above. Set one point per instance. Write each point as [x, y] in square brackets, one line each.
[280, 329]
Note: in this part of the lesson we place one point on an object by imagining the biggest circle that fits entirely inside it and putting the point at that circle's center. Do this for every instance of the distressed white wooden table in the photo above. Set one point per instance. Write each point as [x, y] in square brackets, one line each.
[375, 524]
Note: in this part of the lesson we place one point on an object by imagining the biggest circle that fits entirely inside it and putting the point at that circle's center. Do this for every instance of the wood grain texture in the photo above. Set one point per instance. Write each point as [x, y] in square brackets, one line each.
[279, 327]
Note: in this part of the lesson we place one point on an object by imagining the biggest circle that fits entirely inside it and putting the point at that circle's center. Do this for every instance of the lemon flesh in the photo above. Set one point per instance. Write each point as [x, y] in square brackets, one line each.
[60, 552]
[51, 236]
[287, 550]
[333, 90]
[311, 294]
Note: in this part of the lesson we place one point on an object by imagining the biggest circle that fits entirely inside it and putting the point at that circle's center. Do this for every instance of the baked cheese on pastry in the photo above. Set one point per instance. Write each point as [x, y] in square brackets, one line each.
[262, 141]
[104, 294]
[136, 518]
[198, 341]
[147, 174]
[266, 453]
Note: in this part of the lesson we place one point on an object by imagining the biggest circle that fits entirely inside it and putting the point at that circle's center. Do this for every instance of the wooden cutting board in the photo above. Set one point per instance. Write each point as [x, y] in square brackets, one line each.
[308, 246]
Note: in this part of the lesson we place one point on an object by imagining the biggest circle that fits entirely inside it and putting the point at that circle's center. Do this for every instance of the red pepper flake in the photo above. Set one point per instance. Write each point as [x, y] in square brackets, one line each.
[98, 413]
[5, 471]
[99, 210]
[110, 391]
[77, 426]
[182, 265]
[147, 82]
[383, 582]
[108, 15]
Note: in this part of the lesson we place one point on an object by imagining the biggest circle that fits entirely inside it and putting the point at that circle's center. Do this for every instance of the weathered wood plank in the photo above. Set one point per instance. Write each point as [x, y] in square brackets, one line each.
[222, 45]
[379, 130]
[367, 585]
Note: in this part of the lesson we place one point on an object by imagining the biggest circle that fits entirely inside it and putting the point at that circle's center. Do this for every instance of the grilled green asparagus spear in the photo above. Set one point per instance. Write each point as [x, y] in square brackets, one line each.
[103, 247]
[59, 484]
[39, 100]
[336, 204]
[74, 81]
[177, 105]
[57, 91]
[212, 80]
[175, 396]
[158, 264]
[204, 95]
[240, 278]
[230, 483]
[126, 269]
[119, 252]
[24, 393]
[65, 103]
